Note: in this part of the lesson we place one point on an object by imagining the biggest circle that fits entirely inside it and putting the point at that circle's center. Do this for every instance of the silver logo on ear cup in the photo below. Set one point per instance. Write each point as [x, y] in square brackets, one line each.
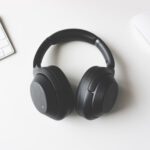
[42, 107]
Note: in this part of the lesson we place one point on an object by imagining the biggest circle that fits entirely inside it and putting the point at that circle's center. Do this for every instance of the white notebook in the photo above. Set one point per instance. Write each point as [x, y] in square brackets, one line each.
[6, 47]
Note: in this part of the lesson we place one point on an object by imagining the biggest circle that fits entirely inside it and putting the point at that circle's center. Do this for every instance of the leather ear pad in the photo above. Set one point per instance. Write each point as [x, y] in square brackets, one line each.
[104, 96]
[60, 88]
[66, 93]
[91, 87]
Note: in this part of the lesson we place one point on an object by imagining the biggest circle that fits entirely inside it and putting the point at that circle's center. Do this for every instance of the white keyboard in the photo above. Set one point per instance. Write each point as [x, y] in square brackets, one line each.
[6, 47]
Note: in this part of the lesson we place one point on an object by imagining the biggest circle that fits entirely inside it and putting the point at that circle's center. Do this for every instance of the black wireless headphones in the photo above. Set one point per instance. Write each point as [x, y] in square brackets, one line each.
[51, 92]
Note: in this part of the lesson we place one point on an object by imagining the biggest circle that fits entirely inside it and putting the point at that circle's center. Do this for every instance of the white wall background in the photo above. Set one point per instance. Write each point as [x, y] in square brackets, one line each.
[28, 23]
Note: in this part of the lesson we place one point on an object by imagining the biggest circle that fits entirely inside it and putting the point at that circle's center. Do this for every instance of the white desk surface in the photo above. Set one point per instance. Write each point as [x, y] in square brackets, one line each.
[28, 23]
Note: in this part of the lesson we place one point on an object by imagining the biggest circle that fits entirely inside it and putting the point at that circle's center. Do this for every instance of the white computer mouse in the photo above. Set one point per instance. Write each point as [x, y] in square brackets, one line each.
[142, 24]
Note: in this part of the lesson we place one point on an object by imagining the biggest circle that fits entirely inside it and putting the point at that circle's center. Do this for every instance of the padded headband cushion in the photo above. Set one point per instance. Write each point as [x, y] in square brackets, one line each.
[73, 35]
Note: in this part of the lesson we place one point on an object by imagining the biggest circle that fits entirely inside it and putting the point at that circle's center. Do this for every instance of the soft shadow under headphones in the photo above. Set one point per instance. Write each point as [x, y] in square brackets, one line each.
[51, 92]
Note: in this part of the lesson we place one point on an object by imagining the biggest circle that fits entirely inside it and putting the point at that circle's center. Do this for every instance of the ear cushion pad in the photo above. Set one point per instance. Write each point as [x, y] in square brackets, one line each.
[104, 96]
[62, 89]
[86, 88]
[64, 85]
[84, 84]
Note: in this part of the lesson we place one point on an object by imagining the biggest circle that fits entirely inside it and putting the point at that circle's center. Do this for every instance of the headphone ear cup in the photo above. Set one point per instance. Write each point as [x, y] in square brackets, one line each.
[66, 92]
[105, 95]
[82, 90]
[51, 87]
[91, 97]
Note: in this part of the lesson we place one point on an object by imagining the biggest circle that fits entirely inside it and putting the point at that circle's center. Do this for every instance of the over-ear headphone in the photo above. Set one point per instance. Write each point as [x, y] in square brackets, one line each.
[51, 92]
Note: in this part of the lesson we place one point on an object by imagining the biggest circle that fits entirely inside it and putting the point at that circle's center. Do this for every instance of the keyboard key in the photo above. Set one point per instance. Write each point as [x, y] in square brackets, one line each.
[1, 53]
[7, 50]
[3, 43]
[2, 35]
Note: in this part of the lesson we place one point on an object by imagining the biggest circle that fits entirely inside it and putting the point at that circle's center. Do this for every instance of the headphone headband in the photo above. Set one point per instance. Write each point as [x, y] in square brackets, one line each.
[73, 35]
